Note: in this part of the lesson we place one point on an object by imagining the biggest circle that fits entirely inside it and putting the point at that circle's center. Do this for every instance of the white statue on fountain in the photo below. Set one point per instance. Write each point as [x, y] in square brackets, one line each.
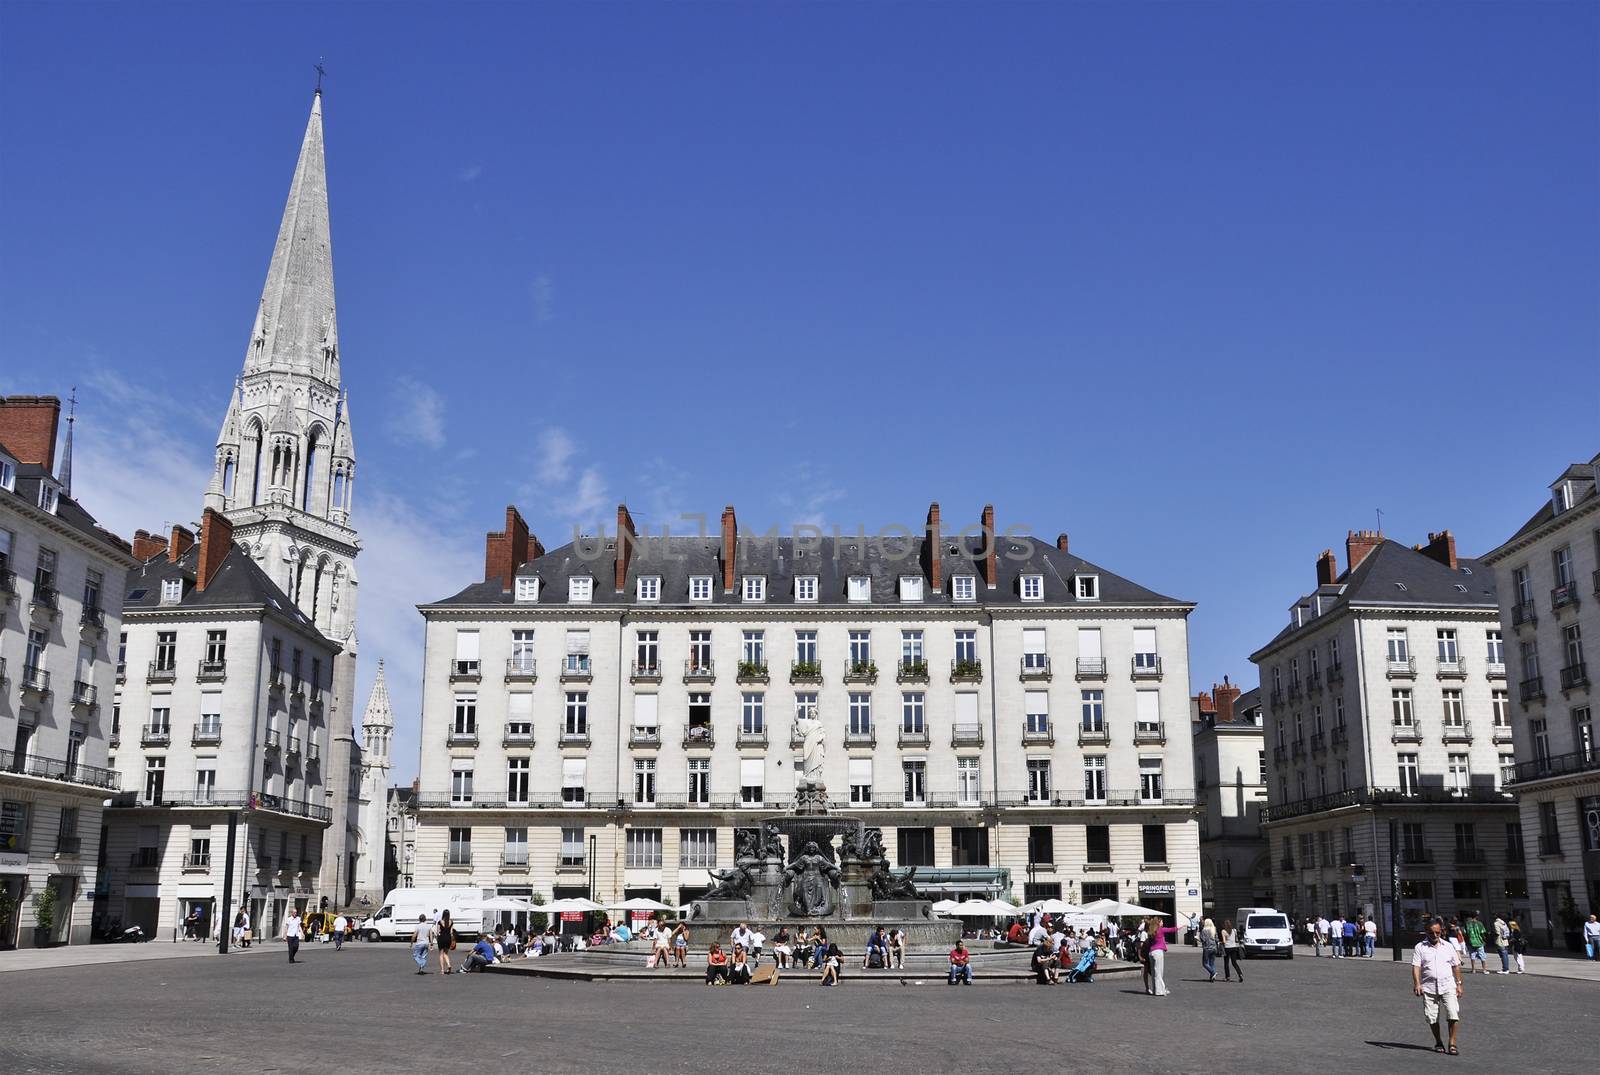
[813, 747]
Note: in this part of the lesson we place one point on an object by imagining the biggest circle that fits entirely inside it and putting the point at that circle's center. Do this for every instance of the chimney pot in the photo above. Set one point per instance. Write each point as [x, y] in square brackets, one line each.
[990, 549]
[182, 540]
[627, 538]
[1327, 568]
[146, 545]
[1359, 544]
[730, 538]
[216, 538]
[506, 550]
[1061, 542]
[932, 550]
[28, 428]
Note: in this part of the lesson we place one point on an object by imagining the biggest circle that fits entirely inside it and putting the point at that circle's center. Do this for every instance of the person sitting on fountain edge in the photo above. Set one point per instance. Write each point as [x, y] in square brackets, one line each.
[960, 964]
[877, 946]
[716, 966]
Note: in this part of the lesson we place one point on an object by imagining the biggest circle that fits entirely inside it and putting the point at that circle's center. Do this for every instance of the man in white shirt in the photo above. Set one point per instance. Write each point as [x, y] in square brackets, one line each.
[1371, 938]
[743, 936]
[1322, 933]
[293, 930]
[1336, 935]
[1036, 934]
[1591, 937]
[1436, 978]
[340, 924]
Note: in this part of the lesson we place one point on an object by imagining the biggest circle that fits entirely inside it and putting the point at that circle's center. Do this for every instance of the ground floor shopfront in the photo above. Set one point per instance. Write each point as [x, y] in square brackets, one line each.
[49, 830]
[1560, 820]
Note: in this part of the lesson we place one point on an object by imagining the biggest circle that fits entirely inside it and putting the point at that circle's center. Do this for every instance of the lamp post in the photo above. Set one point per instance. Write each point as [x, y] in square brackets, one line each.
[592, 842]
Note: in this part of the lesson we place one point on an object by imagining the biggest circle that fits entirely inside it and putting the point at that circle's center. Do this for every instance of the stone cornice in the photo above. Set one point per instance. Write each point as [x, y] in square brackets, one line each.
[95, 545]
[1533, 537]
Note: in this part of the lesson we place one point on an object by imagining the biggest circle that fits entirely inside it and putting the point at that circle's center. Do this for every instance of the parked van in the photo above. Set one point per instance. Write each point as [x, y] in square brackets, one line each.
[397, 918]
[1265, 931]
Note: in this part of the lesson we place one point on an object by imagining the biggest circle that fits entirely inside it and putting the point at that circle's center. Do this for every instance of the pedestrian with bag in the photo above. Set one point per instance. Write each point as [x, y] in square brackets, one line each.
[445, 938]
[1232, 946]
[1208, 949]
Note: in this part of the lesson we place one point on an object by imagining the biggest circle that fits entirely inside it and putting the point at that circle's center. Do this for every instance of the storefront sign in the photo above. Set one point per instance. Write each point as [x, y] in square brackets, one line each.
[13, 862]
[1194, 892]
[572, 916]
[1158, 888]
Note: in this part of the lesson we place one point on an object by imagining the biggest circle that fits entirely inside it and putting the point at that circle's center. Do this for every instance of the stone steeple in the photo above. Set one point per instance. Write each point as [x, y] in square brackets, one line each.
[377, 723]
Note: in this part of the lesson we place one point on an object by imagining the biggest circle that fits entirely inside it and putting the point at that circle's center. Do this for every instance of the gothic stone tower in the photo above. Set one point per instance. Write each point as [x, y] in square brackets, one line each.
[377, 731]
[285, 462]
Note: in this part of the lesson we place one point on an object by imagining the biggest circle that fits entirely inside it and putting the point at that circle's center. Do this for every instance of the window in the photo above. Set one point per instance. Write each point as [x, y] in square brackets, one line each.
[14, 825]
[1454, 713]
[210, 723]
[912, 711]
[8, 475]
[966, 640]
[805, 589]
[700, 650]
[527, 589]
[161, 715]
[44, 570]
[753, 714]
[577, 715]
[755, 587]
[460, 853]
[216, 648]
[171, 591]
[753, 648]
[1401, 701]
[915, 783]
[699, 715]
[1522, 582]
[860, 650]
[166, 651]
[752, 781]
[519, 715]
[1583, 734]
[861, 780]
[1261, 767]
[648, 588]
[647, 652]
[571, 847]
[574, 772]
[699, 781]
[1561, 560]
[1150, 782]
[645, 718]
[1410, 777]
[1316, 720]
[93, 582]
[644, 781]
[205, 784]
[699, 587]
[521, 652]
[969, 845]
[517, 781]
[859, 588]
[1539, 731]
[966, 718]
[964, 587]
[1398, 649]
[516, 847]
[805, 647]
[466, 654]
[697, 849]
[1338, 712]
[1344, 773]
[1294, 673]
[1147, 712]
[1144, 650]
[968, 782]
[1094, 778]
[1036, 712]
[1530, 658]
[643, 849]
[1449, 654]
[1155, 844]
[911, 587]
[860, 714]
[914, 847]
[1098, 849]
[1088, 587]
[1507, 772]
[1038, 780]
[1041, 844]
[580, 589]
[1549, 829]
[911, 648]
[1033, 587]
[1572, 642]
[804, 703]
[461, 785]
[578, 652]
[466, 722]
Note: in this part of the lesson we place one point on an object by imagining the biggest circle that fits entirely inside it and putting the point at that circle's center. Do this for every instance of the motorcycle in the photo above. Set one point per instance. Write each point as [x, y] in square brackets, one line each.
[114, 932]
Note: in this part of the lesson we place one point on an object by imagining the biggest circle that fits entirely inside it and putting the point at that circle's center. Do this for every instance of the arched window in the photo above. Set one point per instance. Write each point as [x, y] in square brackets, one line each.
[310, 471]
[228, 474]
[255, 467]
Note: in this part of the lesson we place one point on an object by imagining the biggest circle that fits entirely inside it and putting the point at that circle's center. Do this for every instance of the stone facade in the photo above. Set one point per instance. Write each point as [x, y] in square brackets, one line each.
[1231, 779]
[377, 735]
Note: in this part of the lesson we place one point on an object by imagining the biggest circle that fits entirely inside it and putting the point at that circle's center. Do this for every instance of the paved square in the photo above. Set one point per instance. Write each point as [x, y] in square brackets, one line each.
[366, 1011]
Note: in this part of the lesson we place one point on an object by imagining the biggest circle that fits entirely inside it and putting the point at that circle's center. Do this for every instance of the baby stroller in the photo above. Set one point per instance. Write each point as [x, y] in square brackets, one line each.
[1084, 970]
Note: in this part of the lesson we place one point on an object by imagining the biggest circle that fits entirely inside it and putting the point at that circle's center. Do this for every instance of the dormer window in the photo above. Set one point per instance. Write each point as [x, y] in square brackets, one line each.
[1088, 587]
[859, 588]
[527, 590]
[699, 587]
[1561, 497]
[911, 587]
[755, 587]
[580, 589]
[8, 475]
[805, 588]
[1033, 587]
[171, 591]
[648, 588]
[49, 496]
[964, 588]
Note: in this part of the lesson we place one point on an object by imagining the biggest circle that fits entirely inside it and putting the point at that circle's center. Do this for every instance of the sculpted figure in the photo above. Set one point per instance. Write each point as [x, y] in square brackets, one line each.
[813, 748]
[814, 879]
[872, 846]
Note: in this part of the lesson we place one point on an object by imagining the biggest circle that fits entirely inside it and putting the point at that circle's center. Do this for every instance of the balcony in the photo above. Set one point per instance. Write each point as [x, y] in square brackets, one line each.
[1523, 614]
[70, 845]
[459, 737]
[1276, 698]
[200, 863]
[644, 673]
[1596, 583]
[1532, 690]
[966, 671]
[575, 737]
[1319, 743]
[699, 671]
[1401, 668]
[1515, 856]
[805, 672]
[1458, 733]
[861, 672]
[911, 671]
[1335, 673]
[1035, 668]
[293, 748]
[206, 734]
[1471, 856]
[867, 738]
[92, 618]
[313, 752]
[698, 737]
[1341, 737]
[1575, 676]
[45, 603]
[523, 669]
[1549, 846]
[275, 678]
[211, 671]
[1039, 735]
[457, 862]
[1295, 692]
[1286, 864]
[1580, 761]
[1495, 670]
[1405, 733]
[145, 858]
[466, 671]
[1455, 668]
[34, 679]
[1416, 856]
[8, 586]
[155, 735]
[913, 737]
[161, 670]
[1280, 754]
[1146, 666]
[752, 672]
[514, 861]
[84, 694]
[1430, 796]
[1314, 682]
[292, 807]
[1297, 749]
[751, 737]
[518, 738]
[1152, 732]
[1091, 668]
[966, 735]
[1502, 733]
[1099, 736]
[1564, 597]
[273, 739]
[644, 737]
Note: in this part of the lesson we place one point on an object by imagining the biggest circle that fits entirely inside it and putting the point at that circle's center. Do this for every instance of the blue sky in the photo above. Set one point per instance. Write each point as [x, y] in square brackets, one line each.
[1203, 285]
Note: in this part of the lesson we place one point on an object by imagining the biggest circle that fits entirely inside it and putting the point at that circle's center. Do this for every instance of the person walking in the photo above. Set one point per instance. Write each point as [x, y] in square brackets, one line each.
[445, 938]
[238, 929]
[1208, 949]
[1369, 930]
[340, 925]
[1519, 946]
[293, 930]
[1158, 955]
[1436, 978]
[1231, 948]
[1591, 937]
[421, 940]
[1477, 960]
[1502, 944]
[1350, 942]
[1322, 934]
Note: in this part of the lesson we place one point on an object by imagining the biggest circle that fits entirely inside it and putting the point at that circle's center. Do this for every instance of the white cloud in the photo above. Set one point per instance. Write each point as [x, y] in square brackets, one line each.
[416, 413]
[556, 450]
[470, 173]
[588, 499]
[811, 494]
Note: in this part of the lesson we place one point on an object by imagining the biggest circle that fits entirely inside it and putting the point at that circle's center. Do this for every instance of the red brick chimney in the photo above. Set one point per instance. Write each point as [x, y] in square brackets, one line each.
[1358, 544]
[1327, 568]
[182, 540]
[216, 538]
[932, 554]
[990, 549]
[1061, 542]
[28, 428]
[627, 537]
[1441, 547]
[147, 545]
[730, 537]
[506, 550]
[1226, 695]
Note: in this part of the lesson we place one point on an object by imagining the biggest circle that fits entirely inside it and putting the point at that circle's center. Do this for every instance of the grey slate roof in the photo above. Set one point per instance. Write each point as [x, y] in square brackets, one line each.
[28, 479]
[238, 583]
[778, 560]
[1582, 474]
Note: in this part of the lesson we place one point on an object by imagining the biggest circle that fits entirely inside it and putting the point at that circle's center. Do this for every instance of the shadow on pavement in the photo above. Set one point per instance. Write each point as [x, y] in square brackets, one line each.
[1400, 1045]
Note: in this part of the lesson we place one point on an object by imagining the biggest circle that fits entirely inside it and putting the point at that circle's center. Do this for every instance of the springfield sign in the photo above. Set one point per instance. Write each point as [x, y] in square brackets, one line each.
[13, 862]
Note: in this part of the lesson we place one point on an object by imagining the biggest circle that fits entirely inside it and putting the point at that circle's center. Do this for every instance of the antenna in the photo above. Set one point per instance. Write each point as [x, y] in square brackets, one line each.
[65, 475]
[1380, 519]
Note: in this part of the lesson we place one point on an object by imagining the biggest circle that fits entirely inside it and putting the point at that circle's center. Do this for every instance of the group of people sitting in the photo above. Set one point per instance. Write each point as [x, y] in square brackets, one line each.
[739, 963]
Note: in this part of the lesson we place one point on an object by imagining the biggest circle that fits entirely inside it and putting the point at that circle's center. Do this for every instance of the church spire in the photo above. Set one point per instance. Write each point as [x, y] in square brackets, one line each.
[296, 328]
[377, 723]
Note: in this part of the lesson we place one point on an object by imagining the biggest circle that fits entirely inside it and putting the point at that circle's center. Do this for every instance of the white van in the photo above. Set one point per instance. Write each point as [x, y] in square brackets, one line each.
[1265, 931]
[397, 918]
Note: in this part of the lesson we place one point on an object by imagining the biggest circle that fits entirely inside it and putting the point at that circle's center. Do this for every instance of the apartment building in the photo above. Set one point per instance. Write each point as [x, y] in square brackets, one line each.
[1548, 580]
[60, 601]
[1230, 773]
[1386, 702]
[601, 718]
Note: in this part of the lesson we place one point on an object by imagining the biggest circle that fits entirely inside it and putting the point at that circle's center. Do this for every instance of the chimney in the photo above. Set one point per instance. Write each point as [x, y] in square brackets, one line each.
[627, 537]
[1327, 568]
[990, 548]
[1442, 547]
[147, 545]
[216, 538]
[730, 535]
[1061, 542]
[182, 539]
[1358, 544]
[1225, 696]
[506, 550]
[932, 554]
[28, 428]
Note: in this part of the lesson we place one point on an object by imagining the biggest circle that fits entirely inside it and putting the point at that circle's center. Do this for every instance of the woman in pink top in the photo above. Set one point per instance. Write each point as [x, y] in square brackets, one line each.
[1158, 953]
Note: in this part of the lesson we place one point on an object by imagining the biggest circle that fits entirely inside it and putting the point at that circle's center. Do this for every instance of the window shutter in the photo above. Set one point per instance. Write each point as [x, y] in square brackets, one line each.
[572, 770]
[1035, 702]
[578, 642]
[1149, 710]
[1144, 640]
[1089, 643]
[519, 706]
[752, 772]
[967, 709]
[1033, 640]
[466, 645]
[644, 710]
[860, 771]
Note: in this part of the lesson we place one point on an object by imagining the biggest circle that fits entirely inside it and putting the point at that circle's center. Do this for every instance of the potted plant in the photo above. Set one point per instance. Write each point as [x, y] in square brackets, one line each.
[538, 920]
[44, 916]
[8, 918]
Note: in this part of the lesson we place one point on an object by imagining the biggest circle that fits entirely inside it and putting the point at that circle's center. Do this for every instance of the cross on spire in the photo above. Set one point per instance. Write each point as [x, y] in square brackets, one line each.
[321, 73]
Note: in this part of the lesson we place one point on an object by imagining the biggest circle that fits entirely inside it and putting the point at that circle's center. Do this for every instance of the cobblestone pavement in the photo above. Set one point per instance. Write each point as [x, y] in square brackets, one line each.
[365, 1010]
